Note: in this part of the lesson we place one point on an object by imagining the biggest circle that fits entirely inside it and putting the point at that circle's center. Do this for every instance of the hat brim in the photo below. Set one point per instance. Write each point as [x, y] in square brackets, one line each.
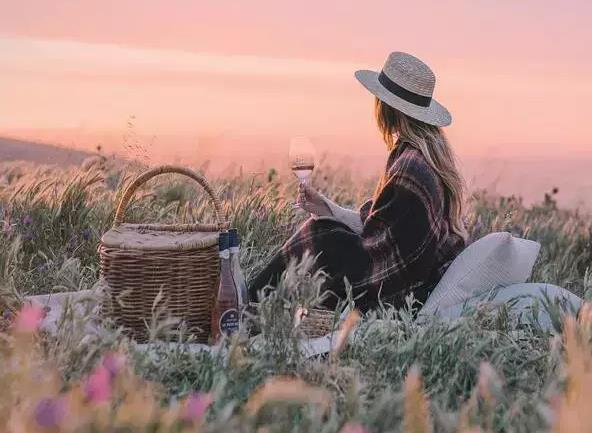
[435, 114]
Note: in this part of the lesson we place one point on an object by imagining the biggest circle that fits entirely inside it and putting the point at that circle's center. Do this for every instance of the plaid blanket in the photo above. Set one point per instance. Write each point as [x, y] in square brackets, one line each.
[405, 246]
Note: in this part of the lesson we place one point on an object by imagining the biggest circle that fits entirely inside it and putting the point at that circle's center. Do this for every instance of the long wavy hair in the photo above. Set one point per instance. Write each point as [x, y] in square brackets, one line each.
[433, 145]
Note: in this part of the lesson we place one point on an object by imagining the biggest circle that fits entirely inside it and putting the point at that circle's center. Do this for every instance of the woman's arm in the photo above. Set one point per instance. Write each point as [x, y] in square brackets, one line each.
[348, 217]
[320, 206]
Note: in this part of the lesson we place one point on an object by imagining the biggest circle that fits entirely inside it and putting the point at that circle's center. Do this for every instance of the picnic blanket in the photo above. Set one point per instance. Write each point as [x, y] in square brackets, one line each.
[59, 306]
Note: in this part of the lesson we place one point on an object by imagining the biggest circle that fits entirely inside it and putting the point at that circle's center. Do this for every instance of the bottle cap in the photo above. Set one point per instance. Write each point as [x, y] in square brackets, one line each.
[233, 237]
[223, 241]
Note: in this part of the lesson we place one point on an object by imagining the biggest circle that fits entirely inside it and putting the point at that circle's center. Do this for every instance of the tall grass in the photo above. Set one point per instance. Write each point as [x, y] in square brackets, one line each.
[395, 375]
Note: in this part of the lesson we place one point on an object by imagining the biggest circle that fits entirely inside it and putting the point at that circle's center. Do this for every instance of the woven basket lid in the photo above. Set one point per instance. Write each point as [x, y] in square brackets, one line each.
[158, 237]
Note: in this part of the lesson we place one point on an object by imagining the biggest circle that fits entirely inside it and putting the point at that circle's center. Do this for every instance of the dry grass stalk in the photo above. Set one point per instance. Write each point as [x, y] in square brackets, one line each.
[345, 330]
[573, 407]
[487, 390]
[289, 390]
[417, 418]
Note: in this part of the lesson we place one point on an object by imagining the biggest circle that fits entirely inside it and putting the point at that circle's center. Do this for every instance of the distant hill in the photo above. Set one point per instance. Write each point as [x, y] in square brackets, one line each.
[19, 150]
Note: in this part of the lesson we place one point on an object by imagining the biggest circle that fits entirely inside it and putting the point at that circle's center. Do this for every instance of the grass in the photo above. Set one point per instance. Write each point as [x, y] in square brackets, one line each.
[482, 372]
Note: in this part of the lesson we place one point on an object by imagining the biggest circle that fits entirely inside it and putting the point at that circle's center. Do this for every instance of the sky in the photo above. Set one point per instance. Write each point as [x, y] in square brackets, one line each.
[237, 79]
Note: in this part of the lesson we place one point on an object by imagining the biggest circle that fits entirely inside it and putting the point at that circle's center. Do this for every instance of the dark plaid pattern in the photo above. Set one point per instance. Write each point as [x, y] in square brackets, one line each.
[406, 244]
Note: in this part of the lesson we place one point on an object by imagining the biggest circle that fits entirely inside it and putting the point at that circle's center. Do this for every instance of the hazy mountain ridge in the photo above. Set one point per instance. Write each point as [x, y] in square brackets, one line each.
[12, 149]
[529, 178]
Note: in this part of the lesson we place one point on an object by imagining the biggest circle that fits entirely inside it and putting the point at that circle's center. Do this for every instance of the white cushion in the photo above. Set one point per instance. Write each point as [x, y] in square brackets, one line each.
[498, 259]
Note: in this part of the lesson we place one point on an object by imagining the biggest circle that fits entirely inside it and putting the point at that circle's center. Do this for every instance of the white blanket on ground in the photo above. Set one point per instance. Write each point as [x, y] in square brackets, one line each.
[56, 304]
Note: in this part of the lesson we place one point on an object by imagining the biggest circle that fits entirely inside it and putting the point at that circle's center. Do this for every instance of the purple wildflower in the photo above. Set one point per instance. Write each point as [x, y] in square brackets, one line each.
[478, 226]
[28, 220]
[476, 232]
[49, 412]
[86, 234]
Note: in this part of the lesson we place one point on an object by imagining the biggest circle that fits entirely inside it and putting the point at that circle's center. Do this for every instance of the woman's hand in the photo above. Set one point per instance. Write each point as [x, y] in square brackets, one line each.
[310, 200]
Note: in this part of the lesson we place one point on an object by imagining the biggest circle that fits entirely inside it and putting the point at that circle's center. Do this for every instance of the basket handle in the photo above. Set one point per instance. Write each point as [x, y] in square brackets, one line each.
[165, 169]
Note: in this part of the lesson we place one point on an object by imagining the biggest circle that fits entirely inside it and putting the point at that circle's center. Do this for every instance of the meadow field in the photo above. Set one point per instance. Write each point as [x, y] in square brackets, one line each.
[482, 373]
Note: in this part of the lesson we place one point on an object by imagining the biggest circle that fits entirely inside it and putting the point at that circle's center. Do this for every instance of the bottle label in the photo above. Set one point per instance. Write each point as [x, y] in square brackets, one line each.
[229, 321]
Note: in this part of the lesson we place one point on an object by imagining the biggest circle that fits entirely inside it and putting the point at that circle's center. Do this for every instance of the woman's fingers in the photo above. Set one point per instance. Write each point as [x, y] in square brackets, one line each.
[306, 192]
[310, 192]
[301, 199]
[311, 201]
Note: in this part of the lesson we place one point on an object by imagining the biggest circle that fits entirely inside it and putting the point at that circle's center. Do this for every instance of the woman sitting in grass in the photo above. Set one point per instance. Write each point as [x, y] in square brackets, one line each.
[403, 239]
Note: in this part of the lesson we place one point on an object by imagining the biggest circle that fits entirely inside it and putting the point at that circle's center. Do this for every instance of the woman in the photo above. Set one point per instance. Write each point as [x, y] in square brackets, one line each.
[404, 238]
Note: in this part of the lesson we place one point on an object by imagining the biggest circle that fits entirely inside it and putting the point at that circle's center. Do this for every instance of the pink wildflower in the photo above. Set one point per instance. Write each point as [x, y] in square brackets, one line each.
[261, 213]
[29, 318]
[6, 227]
[98, 385]
[353, 427]
[489, 383]
[196, 406]
[113, 363]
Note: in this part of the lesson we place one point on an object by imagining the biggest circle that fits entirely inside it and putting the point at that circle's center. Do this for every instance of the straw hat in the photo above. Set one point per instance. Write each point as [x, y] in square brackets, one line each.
[407, 84]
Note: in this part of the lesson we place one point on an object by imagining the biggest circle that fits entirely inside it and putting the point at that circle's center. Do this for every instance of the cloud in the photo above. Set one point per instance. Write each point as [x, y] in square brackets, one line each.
[67, 55]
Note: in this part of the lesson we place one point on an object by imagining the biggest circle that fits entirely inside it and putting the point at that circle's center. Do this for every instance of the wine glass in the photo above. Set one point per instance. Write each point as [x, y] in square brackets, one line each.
[302, 159]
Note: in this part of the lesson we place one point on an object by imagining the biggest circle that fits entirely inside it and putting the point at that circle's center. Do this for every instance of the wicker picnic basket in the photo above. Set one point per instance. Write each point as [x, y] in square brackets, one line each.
[312, 322]
[316, 322]
[180, 261]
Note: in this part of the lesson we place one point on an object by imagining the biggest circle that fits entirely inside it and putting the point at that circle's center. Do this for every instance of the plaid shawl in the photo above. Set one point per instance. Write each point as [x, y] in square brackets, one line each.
[405, 246]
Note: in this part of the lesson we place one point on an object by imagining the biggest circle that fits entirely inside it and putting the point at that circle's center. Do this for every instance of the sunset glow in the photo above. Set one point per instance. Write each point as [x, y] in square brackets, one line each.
[226, 78]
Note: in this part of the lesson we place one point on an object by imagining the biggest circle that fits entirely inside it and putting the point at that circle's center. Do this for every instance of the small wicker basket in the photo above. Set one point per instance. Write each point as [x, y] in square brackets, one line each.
[312, 322]
[315, 322]
[139, 261]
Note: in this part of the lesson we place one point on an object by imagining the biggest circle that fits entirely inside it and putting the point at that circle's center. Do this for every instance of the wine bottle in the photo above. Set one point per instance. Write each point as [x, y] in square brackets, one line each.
[237, 273]
[225, 314]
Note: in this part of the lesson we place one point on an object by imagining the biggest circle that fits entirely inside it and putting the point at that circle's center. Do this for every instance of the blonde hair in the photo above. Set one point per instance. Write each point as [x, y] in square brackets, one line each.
[433, 145]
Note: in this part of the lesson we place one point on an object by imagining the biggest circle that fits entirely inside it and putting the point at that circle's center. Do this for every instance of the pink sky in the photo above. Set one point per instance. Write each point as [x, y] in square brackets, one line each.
[213, 77]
